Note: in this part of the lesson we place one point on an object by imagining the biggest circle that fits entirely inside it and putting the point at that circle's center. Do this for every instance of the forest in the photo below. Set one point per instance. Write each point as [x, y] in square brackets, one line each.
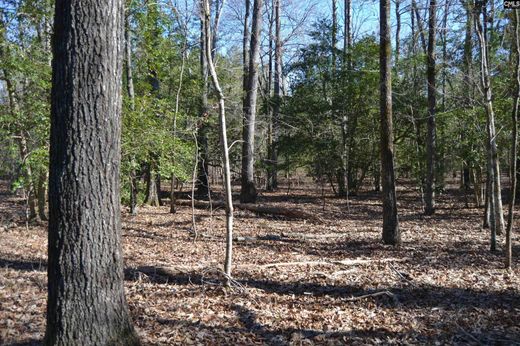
[259, 172]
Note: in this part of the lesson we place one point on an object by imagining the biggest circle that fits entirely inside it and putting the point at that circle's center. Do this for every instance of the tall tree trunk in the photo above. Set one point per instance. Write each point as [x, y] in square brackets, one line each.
[128, 63]
[347, 38]
[431, 151]
[334, 34]
[86, 302]
[340, 176]
[347, 67]
[514, 140]
[445, 52]
[248, 191]
[269, 98]
[391, 232]
[224, 147]
[277, 89]
[246, 36]
[202, 185]
[131, 96]
[397, 31]
[468, 84]
[494, 166]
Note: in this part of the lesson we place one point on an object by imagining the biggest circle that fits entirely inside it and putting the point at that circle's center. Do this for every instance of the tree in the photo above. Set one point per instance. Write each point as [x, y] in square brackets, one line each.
[494, 187]
[223, 141]
[432, 101]
[86, 302]
[391, 232]
[131, 96]
[347, 67]
[514, 138]
[202, 130]
[272, 179]
[248, 191]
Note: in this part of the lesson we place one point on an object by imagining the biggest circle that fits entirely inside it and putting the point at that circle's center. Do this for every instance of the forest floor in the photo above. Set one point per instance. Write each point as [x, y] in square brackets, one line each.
[443, 285]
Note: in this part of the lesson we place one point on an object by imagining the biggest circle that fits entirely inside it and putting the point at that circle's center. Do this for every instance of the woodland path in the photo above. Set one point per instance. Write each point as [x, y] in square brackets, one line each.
[442, 285]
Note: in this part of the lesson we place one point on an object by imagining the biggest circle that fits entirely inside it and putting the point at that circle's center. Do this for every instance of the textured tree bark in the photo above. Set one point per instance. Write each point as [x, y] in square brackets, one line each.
[202, 185]
[152, 196]
[444, 31]
[347, 66]
[277, 90]
[397, 31]
[468, 86]
[268, 99]
[514, 140]
[495, 199]
[248, 191]
[340, 173]
[391, 232]
[86, 302]
[429, 195]
[41, 194]
[131, 96]
[28, 175]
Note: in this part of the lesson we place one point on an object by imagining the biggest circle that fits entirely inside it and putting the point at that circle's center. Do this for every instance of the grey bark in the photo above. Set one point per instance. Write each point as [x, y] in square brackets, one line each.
[391, 232]
[86, 302]
[277, 90]
[224, 147]
[429, 191]
[347, 66]
[397, 31]
[202, 131]
[248, 191]
[514, 140]
[131, 96]
[41, 194]
[495, 198]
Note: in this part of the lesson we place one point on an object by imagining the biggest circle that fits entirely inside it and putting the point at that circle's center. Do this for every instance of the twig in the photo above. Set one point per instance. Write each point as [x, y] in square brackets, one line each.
[402, 276]
[343, 262]
[468, 334]
[376, 294]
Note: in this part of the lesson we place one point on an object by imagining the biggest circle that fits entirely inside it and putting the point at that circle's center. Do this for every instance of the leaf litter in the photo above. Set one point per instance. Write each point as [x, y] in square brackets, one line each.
[296, 282]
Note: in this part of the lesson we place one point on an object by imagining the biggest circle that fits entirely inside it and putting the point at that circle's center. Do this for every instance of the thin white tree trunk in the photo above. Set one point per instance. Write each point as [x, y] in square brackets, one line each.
[223, 143]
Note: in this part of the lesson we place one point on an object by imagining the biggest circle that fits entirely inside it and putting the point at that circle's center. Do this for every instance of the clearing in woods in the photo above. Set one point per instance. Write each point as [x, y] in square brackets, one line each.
[326, 281]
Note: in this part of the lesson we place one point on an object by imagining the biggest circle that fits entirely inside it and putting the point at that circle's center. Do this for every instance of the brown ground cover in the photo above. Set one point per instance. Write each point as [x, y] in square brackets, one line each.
[297, 282]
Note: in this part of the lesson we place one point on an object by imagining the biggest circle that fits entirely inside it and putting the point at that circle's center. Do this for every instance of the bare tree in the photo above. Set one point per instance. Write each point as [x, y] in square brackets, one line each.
[391, 232]
[223, 141]
[494, 186]
[248, 191]
[514, 138]
[432, 104]
[131, 96]
[277, 89]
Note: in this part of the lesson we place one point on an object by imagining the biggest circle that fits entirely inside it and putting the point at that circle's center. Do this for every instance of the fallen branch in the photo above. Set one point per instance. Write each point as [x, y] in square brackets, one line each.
[376, 294]
[261, 209]
[313, 236]
[347, 262]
